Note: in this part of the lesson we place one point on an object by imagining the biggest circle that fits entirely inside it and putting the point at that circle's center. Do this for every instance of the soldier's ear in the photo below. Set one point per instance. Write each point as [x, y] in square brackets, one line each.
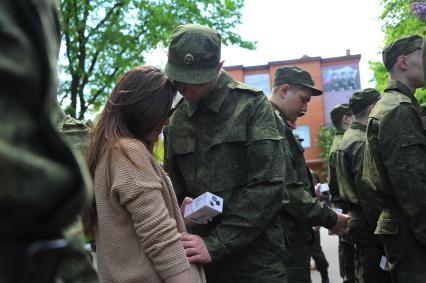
[401, 61]
[284, 90]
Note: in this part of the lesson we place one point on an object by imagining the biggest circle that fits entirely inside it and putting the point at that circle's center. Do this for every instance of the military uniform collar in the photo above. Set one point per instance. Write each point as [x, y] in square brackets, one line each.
[340, 132]
[214, 100]
[402, 88]
[282, 115]
[355, 125]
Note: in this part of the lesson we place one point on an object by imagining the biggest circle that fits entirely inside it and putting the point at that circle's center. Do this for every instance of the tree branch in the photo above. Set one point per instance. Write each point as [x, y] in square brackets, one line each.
[107, 16]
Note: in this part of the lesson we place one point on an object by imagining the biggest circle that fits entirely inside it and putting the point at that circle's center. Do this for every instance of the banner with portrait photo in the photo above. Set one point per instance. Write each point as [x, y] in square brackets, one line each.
[339, 83]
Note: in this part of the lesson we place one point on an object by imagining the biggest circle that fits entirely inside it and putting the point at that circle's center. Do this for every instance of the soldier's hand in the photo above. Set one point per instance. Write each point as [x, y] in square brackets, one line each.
[318, 192]
[340, 228]
[195, 248]
[185, 202]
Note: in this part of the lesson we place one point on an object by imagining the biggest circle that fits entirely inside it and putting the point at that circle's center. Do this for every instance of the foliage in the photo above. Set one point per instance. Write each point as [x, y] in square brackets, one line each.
[102, 39]
[398, 21]
[324, 141]
[159, 151]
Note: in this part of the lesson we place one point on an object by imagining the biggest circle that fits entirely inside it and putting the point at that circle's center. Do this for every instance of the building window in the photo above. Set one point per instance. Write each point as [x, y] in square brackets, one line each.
[259, 81]
[303, 132]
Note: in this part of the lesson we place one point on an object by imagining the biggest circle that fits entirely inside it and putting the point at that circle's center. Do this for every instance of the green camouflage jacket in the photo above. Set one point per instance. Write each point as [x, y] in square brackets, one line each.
[336, 200]
[362, 208]
[394, 162]
[304, 208]
[43, 185]
[228, 144]
[76, 132]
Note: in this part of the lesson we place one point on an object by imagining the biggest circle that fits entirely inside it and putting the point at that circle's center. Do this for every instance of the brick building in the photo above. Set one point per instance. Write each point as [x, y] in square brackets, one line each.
[338, 77]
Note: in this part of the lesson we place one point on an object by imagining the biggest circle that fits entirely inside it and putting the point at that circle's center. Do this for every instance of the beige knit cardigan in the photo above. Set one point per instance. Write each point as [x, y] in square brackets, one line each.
[138, 220]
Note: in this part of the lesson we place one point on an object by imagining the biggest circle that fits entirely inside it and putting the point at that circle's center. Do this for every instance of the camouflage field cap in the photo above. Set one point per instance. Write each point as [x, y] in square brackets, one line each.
[360, 100]
[337, 113]
[194, 54]
[295, 76]
[402, 46]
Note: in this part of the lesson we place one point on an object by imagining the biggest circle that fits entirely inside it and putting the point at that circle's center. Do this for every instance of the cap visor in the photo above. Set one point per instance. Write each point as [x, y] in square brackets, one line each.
[190, 76]
[315, 91]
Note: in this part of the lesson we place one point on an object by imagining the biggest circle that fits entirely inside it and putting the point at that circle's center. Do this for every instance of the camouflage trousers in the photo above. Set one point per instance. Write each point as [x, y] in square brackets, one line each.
[367, 262]
[297, 262]
[318, 255]
[346, 260]
[406, 257]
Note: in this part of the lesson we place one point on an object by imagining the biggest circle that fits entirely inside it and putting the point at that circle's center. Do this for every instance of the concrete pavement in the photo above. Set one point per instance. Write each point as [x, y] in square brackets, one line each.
[329, 245]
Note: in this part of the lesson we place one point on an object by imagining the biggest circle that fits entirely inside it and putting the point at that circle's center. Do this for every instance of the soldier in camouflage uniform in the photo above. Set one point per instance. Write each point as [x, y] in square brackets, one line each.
[341, 117]
[43, 186]
[363, 212]
[292, 90]
[394, 162]
[223, 139]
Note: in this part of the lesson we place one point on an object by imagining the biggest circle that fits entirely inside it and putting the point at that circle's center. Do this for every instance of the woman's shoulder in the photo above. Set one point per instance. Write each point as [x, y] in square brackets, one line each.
[132, 149]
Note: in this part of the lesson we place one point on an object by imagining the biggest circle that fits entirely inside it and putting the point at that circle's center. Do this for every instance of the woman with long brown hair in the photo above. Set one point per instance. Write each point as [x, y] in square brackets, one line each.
[136, 221]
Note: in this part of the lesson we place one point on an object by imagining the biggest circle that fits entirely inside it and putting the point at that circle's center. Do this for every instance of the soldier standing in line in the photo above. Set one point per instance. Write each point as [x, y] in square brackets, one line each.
[43, 185]
[341, 117]
[223, 139]
[292, 91]
[394, 162]
[363, 211]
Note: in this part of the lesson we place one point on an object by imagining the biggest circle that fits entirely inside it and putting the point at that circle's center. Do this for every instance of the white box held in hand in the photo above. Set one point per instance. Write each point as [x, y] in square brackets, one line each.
[324, 188]
[203, 208]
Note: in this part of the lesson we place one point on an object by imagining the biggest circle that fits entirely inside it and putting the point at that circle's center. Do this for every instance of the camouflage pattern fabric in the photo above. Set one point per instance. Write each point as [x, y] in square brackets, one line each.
[76, 132]
[395, 170]
[43, 184]
[362, 208]
[223, 144]
[346, 246]
[302, 210]
[336, 200]
[76, 266]
[318, 255]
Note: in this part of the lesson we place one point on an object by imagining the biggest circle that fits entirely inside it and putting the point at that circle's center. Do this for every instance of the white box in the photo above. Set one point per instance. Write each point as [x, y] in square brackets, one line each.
[204, 207]
[324, 188]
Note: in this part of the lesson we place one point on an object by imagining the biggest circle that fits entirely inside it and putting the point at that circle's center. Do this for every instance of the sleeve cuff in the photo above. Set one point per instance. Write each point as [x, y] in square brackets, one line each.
[215, 248]
[331, 219]
[179, 268]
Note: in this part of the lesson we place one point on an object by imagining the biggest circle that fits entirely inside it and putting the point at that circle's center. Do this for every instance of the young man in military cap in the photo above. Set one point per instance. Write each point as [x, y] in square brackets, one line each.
[223, 139]
[292, 91]
[394, 162]
[363, 211]
[341, 117]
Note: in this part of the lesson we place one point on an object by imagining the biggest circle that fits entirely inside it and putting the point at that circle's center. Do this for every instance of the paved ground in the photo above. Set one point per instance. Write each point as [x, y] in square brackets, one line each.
[329, 246]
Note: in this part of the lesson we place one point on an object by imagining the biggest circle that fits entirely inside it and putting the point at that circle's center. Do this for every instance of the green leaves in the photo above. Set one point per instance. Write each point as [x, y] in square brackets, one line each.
[103, 39]
[324, 140]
